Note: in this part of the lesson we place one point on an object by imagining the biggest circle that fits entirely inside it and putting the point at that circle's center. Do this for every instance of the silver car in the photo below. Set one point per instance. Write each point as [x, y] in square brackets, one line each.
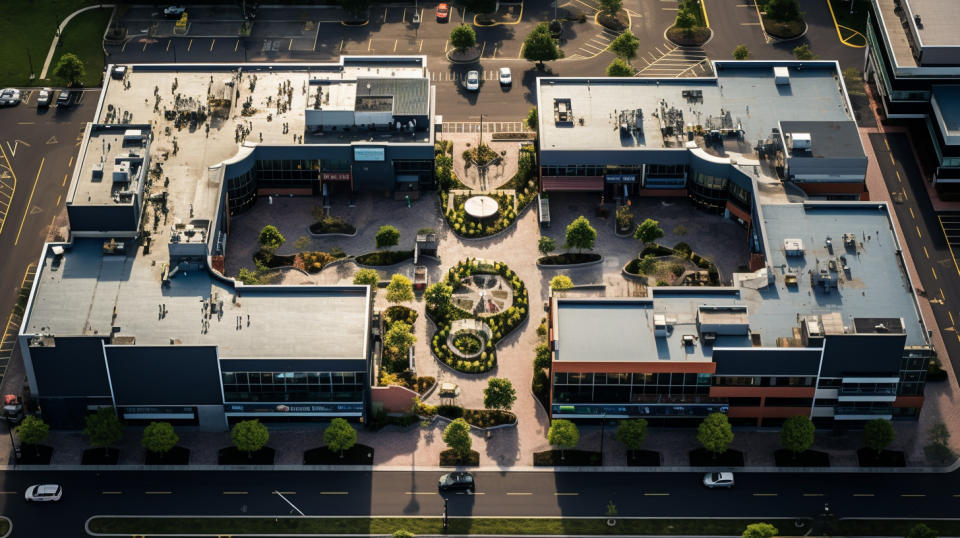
[43, 493]
[9, 97]
[718, 480]
[44, 97]
[472, 81]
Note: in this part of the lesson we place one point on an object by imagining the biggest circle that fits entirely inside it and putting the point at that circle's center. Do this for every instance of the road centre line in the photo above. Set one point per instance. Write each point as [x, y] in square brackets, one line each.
[559, 494]
[111, 493]
[284, 492]
[656, 494]
[765, 494]
[913, 495]
[863, 494]
[420, 493]
[519, 493]
[158, 492]
[234, 492]
[334, 493]
[813, 494]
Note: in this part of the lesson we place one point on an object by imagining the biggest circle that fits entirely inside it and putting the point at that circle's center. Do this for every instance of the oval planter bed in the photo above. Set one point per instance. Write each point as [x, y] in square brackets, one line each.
[356, 455]
[617, 23]
[450, 458]
[784, 31]
[569, 258]
[233, 456]
[333, 226]
[177, 455]
[694, 37]
[383, 258]
[397, 313]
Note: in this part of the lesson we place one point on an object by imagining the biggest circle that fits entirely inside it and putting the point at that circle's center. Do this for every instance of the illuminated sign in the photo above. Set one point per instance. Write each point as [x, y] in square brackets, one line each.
[368, 154]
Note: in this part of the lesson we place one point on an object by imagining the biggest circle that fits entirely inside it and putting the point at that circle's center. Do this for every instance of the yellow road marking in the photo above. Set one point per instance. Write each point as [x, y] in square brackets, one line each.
[911, 213]
[949, 313]
[58, 200]
[942, 296]
[942, 229]
[290, 46]
[13, 190]
[369, 44]
[158, 492]
[656, 494]
[846, 41]
[334, 493]
[934, 273]
[905, 197]
[234, 492]
[913, 495]
[887, 144]
[764, 494]
[863, 494]
[421, 493]
[920, 235]
[562, 494]
[519, 493]
[520, 55]
[211, 45]
[703, 7]
[421, 45]
[395, 43]
[167, 49]
[29, 201]
[898, 176]
[285, 492]
[925, 253]
[236, 45]
[70, 162]
[893, 162]
[190, 44]
[813, 494]
[145, 43]
[111, 493]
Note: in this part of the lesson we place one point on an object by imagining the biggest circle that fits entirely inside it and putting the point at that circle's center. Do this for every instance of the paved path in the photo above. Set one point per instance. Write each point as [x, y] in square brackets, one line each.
[60, 29]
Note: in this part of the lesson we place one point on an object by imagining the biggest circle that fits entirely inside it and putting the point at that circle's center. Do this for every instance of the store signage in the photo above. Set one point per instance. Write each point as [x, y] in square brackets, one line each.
[622, 178]
[368, 154]
[293, 408]
[335, 176]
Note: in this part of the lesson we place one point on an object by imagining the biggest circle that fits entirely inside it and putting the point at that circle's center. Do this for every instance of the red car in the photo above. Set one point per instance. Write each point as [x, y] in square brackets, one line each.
[443, 12]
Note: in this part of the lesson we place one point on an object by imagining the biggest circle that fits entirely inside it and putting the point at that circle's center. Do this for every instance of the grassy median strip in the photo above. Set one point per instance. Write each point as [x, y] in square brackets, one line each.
[334, 525]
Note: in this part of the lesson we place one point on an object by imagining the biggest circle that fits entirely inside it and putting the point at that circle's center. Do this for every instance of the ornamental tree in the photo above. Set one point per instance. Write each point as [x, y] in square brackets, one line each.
[387, 236]
[878, 434]
[438, 297]
[546, 245]
[741, 52]
[366, 277]
[457, 437]
[249, 436]
[270, 238]
[563, 434]
[783, 10]
[159, 437]
[531, 119]
[70, 69]
[33, 431]
[610, 7]
[463, 37]
[620, 68]
[400, 289]
[499, 394]
[796, 435]
[103, 428]
[760, 530]
[715, 433]
[399, 339]
[561, 283]
[685, 20]
[625, 46]
[648, 231]
[632, 433]
[920, 530]
[339, 435]
[540, 47]
[580, 235]
[542, 359]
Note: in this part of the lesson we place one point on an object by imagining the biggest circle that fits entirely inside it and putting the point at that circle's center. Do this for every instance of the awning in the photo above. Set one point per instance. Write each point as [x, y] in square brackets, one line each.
[593, 183]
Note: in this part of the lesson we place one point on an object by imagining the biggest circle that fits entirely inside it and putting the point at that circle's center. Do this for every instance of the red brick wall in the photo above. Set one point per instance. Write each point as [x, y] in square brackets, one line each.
[395, 399]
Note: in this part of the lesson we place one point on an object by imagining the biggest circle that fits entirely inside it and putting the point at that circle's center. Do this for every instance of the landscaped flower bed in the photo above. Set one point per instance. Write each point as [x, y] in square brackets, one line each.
[332, 225]
[399, 313]
[500, 323]
[569, 258]
[480, 418]
[464, 224]
[384, 257]
[467, 343]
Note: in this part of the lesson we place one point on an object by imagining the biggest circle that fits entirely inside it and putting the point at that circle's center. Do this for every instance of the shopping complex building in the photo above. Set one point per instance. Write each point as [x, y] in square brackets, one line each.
[133, 311]
[913, 63]
[825, 323]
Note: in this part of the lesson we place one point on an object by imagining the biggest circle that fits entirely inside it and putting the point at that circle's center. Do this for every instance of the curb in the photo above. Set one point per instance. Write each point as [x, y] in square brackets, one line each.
[470, 61]
[10, 528]
[569, 265]
[320, 236]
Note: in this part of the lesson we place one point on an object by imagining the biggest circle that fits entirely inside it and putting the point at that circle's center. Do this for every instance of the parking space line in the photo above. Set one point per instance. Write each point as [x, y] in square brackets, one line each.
[190, 44]
[26, 211]
[214, 41]
[145, 43]
[236, 45]
[167, 49]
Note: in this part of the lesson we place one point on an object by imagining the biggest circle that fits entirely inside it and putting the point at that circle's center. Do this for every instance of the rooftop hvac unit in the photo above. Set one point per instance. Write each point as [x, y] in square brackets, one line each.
[800, 141]
[121, 172]
[793, 247]
[781, 75]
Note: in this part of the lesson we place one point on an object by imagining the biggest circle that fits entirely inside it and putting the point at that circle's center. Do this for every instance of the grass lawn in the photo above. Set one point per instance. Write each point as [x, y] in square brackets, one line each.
[29, 26]
[516, 527]
[83, 37]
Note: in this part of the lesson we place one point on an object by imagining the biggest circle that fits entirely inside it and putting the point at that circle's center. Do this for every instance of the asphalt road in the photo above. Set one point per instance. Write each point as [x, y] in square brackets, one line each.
[498, 494]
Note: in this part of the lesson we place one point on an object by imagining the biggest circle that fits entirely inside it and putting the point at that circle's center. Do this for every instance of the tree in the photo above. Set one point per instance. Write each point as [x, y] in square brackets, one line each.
[714, 433]
[632, 433]
[625, 46]
[70, 69]
[437, 297]
[620, 68]
[403, 533]
[249, 436]
[803, 52]
[741, 52]
[159, 437]
[921, 531]
[783, 10]
[542, 358]
[878, 434]
[648, 231]
[457, 437]
[939, 448]
[339, 435]
[270, 238]
[564, 434]
[33, 431]
[499, 394]
[366, 277]
[399, 338]
[531, 120]
[796, 435]
[540, 47]
[561, 283]
[463, 37]
[400, 289]
[546, 245]
[685, 20]
[103, 428]
[580, 234]
[760, 530]
[610, 7]
[387, 236]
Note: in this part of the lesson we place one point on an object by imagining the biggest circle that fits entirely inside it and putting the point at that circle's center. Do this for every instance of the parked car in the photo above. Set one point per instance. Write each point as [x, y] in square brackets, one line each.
[45, 97]
[457, 480]
[443, 12]
[174, 12]
[472, 81]
[506, 78]
[65, 99]
[43, 493]
[9, 97]
[718, 480]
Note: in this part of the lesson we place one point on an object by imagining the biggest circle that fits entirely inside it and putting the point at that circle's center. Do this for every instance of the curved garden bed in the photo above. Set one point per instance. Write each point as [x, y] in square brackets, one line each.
[617, 23]
[477, 418]
[333, 226]
[784, 30]
[569, 258]
[498, 324]
[383, 258]
[693, 37]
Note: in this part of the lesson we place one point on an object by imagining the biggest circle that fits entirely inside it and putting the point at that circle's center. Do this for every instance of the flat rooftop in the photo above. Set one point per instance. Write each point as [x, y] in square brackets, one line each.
[109, 156]
[898, 40]
[876, 285]
[828, 139]
[947, 98]
[938, 21]
[743, 95]
[88, 293]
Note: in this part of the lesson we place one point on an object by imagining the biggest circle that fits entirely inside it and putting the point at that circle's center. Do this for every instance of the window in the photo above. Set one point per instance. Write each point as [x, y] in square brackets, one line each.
[293, 386]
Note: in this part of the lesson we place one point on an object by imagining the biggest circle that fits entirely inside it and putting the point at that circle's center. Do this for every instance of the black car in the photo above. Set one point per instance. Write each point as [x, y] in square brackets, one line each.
[65, 99]
[459, 480]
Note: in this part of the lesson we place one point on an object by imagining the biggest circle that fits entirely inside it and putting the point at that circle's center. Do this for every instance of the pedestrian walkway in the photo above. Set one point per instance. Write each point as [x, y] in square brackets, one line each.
[670, 60]
[488, 127]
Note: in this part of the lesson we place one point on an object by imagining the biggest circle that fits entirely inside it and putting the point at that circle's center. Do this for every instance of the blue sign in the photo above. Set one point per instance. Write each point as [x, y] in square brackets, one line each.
[368, 154]
[621, 178]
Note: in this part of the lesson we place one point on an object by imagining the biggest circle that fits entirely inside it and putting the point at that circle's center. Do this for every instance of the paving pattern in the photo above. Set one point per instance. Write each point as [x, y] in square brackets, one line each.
[669, 60]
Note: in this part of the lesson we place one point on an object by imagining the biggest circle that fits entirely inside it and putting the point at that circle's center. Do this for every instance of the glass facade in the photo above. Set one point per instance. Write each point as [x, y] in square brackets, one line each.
[630, 387]
[762, 381]
[293, 386]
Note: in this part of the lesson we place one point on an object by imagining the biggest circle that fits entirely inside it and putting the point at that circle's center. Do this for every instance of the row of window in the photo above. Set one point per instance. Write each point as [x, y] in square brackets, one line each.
[672, 394]
[763, 381]
[573, 378]
[296, 378]
[771, 402]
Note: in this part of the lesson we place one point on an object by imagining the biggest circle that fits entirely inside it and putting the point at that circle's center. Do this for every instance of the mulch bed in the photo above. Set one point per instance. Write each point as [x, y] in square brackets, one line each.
[886, 458]
[569, 458]
[449, 457]
[384, 257]
[177, 455]
[35, 454]
[616, 23]
[784, 30]
[807, 458]
[694, 38]
[356, 455]
[569, 258]
[232, 456]
[643, 458]
[332, 226]
[99, 456]
[273, 260]
[701, 457]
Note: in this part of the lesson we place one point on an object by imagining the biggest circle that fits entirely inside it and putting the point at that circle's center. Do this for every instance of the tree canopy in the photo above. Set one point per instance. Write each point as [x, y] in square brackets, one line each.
[921, 530]
[399, 338]
[70, 69]
[366, 277]
[532, 119]
[457, 437]
[499, 394]
[878, 434]
[685, 19]
[270, 238]
[796, 435]
[400, 289]
[580, 235]
[159, 437]
[437, 297]
[563, 434]
[546, 245]
[103, 427]
[741, 52]
[783, 10]
[33, 431]
[610, 7]
[542, 358]
[249, 436]
[648, 231]
[620, 68]
[803, 52]
[760, 530]
[715, 433]
[387, 236]
[625, 45]
[339, 436]
[632, 433]
[539, 45]
[462, 37]
[561, 283]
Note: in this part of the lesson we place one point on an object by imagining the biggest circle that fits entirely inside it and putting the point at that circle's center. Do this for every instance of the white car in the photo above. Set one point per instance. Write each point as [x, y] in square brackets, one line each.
[44, 97]
[473, 81]
[718, 480]
[174, 12]
[9, 97]
[43, 493]
[506, 78]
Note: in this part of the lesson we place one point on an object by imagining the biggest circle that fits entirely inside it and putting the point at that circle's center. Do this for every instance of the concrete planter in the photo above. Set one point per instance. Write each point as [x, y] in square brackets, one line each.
[569, 265]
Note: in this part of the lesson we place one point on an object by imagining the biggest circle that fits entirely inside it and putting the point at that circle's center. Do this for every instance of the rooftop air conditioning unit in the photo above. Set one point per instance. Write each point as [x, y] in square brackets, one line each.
[781, 75]
[800, 141]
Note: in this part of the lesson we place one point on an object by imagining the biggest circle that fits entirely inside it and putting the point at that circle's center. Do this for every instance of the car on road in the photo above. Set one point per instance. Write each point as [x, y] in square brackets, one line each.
[43, 493]
[443, 12]
[472, 82]
[718, 480]
[174, 12]
[506, 78]
[457, 480]
[45, 97]
[9, 97]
